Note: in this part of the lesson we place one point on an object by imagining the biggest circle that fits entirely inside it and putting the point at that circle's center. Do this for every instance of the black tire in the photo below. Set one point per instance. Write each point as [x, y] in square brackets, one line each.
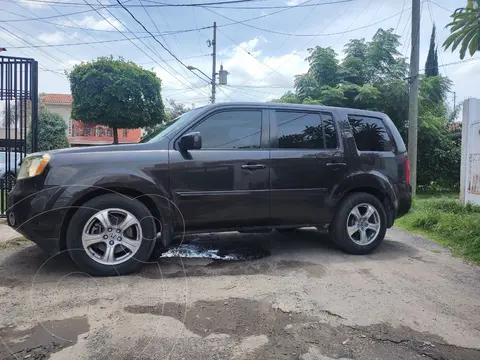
[338, 229]
[83, 214]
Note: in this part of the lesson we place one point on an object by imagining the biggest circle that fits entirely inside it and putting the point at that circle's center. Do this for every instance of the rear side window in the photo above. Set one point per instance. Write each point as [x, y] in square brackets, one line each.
[305, 130]
[370, 133]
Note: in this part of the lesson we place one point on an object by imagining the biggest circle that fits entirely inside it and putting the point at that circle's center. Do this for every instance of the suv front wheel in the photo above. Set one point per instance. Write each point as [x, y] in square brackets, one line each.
[111, 235]
[360, 223]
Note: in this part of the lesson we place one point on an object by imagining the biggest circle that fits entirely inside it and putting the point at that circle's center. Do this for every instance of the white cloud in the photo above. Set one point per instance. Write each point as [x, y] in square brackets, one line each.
[293, 2]
[52, 38]
[249, 79]
[93, 23]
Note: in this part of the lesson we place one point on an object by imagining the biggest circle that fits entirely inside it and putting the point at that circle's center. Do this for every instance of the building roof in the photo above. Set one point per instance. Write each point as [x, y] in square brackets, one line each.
[57, 98]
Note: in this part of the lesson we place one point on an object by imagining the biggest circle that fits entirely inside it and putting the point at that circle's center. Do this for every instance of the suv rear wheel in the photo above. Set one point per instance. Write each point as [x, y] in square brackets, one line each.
[111, 235]
[360, 223]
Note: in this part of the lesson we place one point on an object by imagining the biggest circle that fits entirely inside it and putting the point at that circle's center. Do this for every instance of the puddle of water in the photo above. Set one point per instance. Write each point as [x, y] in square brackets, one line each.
[42, 339]
[227, 252]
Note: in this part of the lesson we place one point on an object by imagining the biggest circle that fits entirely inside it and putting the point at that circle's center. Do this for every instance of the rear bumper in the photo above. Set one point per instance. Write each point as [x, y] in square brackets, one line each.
[30, 213]
[404, 200]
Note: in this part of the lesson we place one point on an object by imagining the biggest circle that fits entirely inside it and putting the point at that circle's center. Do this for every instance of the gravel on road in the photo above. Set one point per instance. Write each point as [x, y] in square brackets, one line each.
[246, 296]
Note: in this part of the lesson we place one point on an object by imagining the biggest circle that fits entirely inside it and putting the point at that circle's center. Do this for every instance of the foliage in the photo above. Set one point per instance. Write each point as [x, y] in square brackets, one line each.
[289, 97]
[116, 93]
[445, 220]
[372, 76]
[173, 111]
[465, 29]
[51, 132]
[431, 65]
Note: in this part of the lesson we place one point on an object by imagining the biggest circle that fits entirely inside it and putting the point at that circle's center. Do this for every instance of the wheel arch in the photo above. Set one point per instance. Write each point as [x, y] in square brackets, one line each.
[146, 200]
[373, 183]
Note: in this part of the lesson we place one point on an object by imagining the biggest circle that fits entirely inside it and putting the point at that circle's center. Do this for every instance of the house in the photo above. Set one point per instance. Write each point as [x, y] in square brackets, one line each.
[81, 133]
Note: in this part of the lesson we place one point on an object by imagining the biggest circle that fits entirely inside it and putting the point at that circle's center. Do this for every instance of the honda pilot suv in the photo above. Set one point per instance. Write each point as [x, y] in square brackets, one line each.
[226, 167]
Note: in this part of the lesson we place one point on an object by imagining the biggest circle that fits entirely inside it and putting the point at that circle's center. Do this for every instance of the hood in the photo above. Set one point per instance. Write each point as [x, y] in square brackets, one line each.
[93, 149]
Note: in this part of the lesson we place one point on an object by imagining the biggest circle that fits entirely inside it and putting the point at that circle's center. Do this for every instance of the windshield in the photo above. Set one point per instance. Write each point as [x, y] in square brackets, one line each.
[171, 127]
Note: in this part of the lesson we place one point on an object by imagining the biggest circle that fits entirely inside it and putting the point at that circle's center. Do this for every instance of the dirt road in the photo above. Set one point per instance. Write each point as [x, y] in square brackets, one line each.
[297, 297]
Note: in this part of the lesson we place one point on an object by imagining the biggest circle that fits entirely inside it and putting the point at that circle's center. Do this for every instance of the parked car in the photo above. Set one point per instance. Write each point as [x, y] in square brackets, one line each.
[237, 166]
[8, 170]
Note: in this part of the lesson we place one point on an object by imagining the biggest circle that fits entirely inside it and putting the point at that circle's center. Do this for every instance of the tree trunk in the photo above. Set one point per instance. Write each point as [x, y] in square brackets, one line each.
[115, 135]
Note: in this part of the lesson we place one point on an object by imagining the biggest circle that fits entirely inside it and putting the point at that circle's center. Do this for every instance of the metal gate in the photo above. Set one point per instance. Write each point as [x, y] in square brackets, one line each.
[18, 118]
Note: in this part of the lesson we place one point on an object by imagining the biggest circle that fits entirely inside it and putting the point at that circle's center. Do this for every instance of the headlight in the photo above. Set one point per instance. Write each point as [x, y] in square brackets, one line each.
[33, 166]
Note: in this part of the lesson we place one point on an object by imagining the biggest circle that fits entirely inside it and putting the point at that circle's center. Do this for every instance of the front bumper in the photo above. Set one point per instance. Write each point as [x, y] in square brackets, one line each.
[30, 211]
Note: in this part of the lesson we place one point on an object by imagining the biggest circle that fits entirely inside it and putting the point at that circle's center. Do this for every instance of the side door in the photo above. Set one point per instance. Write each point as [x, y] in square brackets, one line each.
[307, 161]
[225, 184]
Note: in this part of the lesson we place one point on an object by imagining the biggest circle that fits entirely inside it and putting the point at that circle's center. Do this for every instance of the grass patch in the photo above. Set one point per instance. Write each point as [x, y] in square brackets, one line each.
[443, 219]
[13, 242]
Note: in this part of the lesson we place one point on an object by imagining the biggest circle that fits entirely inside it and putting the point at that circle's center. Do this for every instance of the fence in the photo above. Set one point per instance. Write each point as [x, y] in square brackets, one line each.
[18, 118]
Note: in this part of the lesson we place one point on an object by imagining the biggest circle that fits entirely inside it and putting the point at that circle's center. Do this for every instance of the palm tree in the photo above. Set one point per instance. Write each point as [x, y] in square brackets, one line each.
[465, 29]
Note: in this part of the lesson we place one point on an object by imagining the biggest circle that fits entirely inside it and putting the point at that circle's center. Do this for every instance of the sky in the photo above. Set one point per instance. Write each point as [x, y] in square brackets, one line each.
[261, 55]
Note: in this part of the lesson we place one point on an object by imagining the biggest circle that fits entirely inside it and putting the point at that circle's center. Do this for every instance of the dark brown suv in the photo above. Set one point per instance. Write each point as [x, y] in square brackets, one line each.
[236, 166]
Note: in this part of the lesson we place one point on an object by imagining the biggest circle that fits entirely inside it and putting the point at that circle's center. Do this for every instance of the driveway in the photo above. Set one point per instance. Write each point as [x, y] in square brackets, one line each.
[290, 296]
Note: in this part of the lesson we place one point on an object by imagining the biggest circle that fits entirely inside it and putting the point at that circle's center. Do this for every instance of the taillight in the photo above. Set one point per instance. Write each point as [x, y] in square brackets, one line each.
[407, 170]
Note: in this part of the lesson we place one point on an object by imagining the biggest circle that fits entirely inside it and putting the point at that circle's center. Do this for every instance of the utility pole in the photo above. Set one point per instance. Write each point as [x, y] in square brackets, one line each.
[454, 100]
[214, 62]
[413, 96]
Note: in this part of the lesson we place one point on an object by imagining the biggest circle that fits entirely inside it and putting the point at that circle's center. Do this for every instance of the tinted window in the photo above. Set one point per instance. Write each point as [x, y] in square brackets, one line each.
[240, 129]
[370, 134]
[330, 131]
[304, 130]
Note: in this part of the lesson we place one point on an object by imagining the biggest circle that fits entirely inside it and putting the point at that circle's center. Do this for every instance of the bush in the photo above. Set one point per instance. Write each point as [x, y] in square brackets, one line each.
[51, 132]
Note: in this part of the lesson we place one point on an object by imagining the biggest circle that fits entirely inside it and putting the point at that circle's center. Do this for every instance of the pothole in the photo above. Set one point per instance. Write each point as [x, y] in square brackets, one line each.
[41, 340]
[291, 334]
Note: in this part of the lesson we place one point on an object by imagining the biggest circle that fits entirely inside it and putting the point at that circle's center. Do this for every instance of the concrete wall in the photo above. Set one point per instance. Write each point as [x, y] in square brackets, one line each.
[470, 168]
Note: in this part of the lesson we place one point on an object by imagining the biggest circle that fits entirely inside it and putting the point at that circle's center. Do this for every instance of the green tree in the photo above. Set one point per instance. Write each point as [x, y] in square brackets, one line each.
[289, 97]
[465, 29]
[173, 111]
[116, 93]
[431, 65]
[323, 65]
[372, 76]
[51, 132]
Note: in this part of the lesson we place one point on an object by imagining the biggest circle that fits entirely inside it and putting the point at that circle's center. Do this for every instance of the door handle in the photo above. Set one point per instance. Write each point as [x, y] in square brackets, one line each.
[253, 166]
[336, 164]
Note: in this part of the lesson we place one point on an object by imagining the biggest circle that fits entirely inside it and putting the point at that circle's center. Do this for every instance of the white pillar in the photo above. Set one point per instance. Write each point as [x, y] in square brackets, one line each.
[470, 168]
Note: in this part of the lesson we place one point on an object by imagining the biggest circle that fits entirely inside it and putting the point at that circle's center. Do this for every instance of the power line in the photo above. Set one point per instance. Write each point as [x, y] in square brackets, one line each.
[123, 5]
[190, 86]
[301, 22]
[249, 53]
[326, 27]
[305, 35]
[442, 7]
[400, 18]
[61, 30]
[163, 46]
[26, 18]
[456, 62]
[40, 66]
[359, 14]
[156, 4]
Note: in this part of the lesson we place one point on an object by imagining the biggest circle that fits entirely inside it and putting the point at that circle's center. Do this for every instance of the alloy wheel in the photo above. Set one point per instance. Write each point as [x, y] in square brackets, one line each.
[112, 236]
[363, 224]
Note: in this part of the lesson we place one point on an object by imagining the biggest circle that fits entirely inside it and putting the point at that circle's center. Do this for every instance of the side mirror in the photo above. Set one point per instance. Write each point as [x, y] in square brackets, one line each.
[190, 141]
